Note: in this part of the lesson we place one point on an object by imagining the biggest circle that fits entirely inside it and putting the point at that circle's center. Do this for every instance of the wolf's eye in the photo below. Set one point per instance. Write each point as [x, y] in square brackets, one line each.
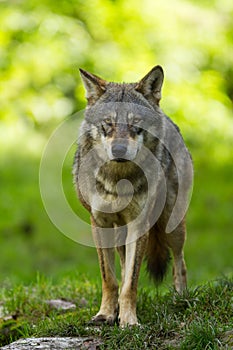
[136, 120]
[108, 121]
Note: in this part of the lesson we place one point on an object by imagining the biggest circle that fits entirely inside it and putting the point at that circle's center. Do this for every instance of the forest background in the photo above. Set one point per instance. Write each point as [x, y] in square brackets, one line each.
[42, 45]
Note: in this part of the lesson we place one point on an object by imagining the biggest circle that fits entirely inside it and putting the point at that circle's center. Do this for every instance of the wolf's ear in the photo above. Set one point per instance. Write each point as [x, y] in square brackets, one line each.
[150, 86]
[95, 86]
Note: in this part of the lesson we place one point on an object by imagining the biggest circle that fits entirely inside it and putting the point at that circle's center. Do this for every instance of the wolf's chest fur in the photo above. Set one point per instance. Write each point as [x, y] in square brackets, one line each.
[109, 175]
[124, 183]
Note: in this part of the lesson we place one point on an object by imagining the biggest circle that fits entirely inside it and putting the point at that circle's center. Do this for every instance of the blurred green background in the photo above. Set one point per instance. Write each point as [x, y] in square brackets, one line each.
[42, 44]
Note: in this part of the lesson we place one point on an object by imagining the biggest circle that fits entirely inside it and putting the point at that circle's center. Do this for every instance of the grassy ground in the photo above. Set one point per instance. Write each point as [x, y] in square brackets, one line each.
[201, 318]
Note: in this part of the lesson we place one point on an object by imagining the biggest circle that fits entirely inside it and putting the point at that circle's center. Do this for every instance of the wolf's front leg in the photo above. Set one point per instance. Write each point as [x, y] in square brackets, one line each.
[127, 300]
[109, 304]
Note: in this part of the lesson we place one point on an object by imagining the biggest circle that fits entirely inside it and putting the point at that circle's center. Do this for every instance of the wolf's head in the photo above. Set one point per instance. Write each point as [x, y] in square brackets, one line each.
[118, 114]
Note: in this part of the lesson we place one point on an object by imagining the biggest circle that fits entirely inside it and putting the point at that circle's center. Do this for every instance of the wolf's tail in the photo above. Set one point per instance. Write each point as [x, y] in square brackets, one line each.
[157, 255]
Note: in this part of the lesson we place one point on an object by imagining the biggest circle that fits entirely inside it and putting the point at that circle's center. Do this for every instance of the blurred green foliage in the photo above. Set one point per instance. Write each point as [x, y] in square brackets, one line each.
[42, 44]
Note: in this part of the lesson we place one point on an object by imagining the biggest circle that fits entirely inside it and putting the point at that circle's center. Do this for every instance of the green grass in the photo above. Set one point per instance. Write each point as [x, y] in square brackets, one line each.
[198, 319]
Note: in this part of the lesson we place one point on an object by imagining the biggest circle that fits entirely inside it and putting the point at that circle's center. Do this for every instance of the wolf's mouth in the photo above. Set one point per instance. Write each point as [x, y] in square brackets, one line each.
[119, 160]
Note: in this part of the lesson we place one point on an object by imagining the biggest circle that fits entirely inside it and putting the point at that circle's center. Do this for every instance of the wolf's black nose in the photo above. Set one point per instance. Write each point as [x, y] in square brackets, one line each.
[119, 150]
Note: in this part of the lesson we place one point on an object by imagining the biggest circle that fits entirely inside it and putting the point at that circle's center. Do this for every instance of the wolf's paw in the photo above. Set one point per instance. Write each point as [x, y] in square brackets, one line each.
[100, 319]
[128, 325]
[127, 320]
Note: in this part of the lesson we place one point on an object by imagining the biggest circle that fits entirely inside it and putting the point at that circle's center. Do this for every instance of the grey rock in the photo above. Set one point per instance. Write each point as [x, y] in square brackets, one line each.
[54, 344]
[60, 304]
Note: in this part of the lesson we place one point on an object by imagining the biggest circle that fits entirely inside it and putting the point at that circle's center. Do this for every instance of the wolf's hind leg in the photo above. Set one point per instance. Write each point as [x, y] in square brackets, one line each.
[176, 241]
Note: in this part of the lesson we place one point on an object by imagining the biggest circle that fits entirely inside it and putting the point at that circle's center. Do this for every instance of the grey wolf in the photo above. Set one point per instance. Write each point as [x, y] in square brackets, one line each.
[128, 167]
